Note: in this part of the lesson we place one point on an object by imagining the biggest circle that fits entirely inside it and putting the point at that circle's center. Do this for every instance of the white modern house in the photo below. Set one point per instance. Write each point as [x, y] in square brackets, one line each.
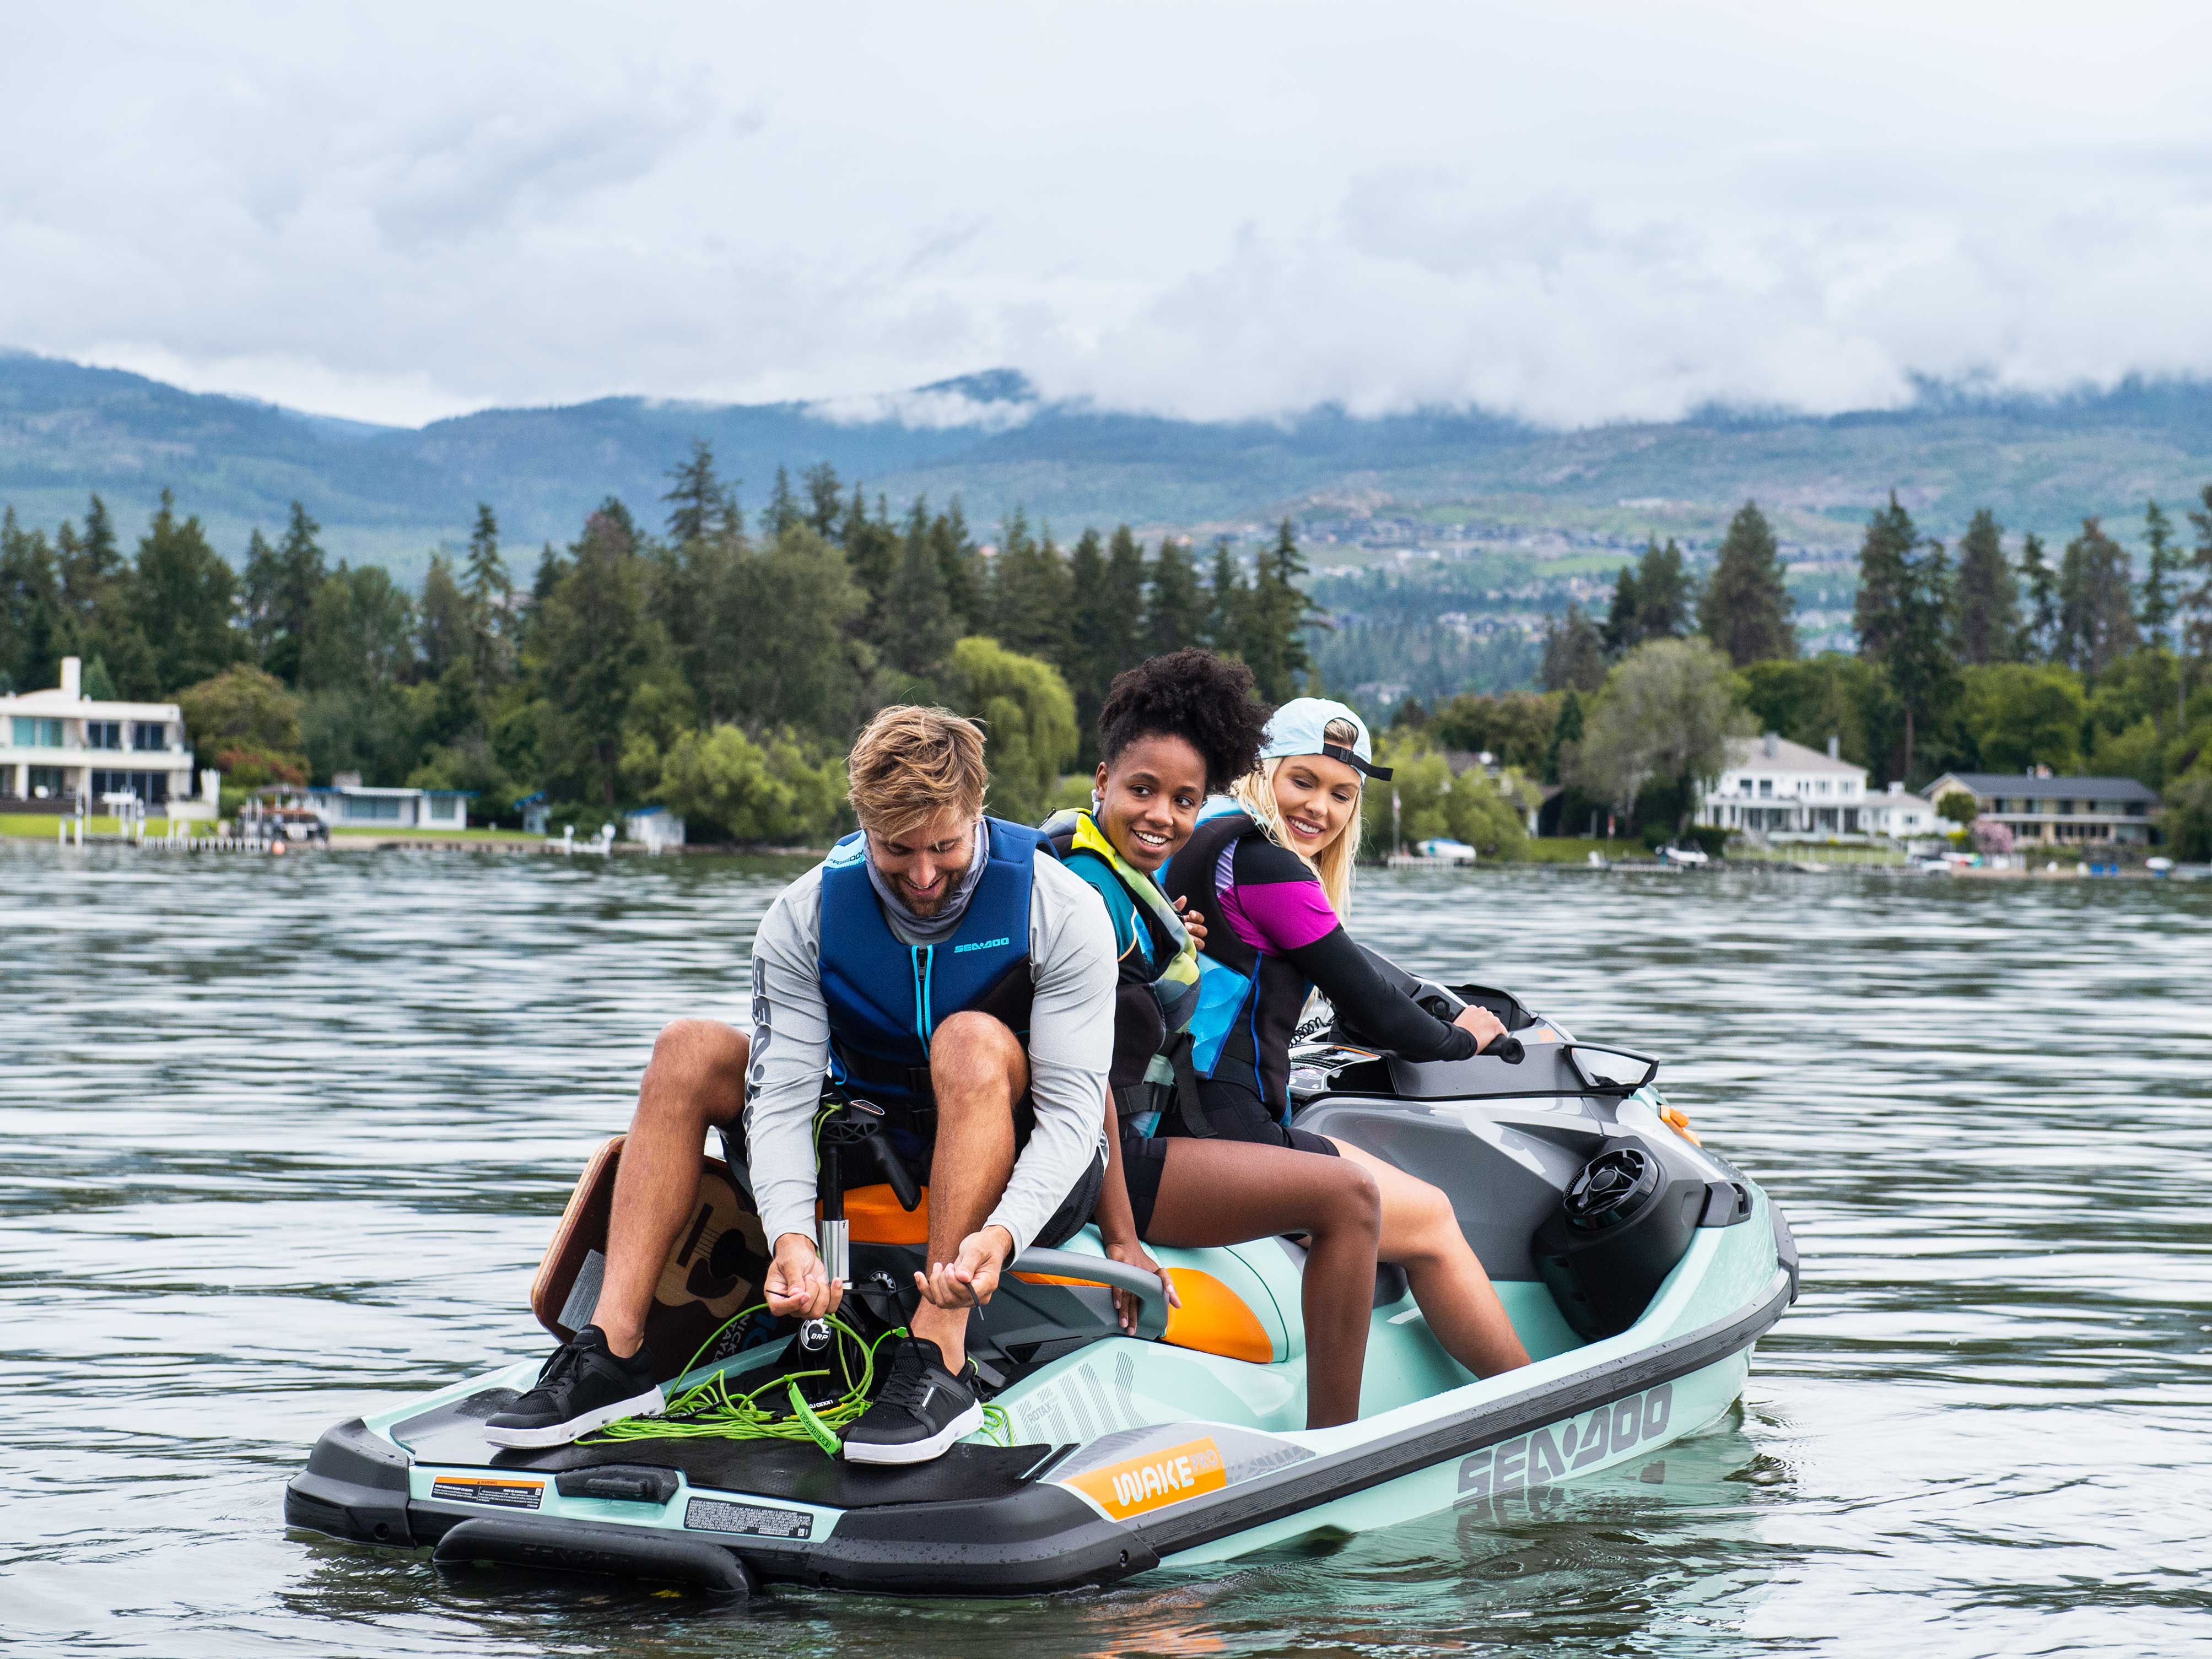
[60, 747]
[1775, 787]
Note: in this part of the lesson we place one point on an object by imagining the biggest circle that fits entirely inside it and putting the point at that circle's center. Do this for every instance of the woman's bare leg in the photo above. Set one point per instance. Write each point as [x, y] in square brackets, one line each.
[1225, 1192]
[1422, 1236]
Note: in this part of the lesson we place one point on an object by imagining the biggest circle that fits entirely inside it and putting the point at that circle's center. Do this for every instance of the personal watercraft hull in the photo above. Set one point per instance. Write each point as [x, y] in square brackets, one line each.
[1040, 1518]
[1176, 1448]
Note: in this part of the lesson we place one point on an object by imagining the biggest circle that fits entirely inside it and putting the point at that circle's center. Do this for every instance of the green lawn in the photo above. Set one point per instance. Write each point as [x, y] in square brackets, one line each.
[1576, 850]
[40, 826]
[403, 832]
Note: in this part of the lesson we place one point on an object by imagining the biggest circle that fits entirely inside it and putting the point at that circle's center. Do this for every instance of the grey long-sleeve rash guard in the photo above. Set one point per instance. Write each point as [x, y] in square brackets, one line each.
[1071, 1044]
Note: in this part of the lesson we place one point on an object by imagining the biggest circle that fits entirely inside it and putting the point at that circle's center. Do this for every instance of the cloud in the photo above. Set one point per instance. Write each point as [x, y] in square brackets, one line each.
[1602, 212]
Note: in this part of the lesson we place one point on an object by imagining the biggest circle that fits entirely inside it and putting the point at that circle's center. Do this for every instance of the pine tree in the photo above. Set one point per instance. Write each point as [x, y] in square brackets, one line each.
[1745, 607]
[281, 585]
[959, 566]
[1574, 653]
[1622, 633]
[91, 567]
[599, 643]
[184, 593]
[1918, 659]
[919, 627]
[1226, 602]
[826, 497]
[874, 550]
[782, 509]
[1090, 662]
[33, 624]
[1666, 598]
[1030, 598]
[1567, 729]
[2096, 603]
[1122, 628]
[448, 622]
[2199, 597]
[1278, 613]
[1174, 609]
[2160, 598]
[2039, 636]
[551, 566]
[1985, 617]
[1885, 576]
[491, 600]
[694, 496]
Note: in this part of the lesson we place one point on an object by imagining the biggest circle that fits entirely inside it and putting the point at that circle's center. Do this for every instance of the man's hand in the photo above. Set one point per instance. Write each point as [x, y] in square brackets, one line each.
[798, 1283]
[968, 1278]
[1194, 921]
[1482, 1023]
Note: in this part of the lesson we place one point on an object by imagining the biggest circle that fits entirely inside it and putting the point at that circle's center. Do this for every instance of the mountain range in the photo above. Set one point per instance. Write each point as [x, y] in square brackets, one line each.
[391, 494]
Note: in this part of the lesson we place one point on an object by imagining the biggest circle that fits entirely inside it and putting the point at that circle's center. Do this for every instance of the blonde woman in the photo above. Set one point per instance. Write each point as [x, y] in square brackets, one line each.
[1271, 865]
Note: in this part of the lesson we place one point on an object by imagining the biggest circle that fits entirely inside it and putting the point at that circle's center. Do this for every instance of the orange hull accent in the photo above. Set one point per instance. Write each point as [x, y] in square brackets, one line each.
[1213, 1318]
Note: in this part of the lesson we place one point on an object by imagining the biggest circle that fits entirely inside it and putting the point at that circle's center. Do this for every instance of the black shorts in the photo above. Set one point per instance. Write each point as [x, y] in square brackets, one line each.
[1073, 1214]
[1232, 1112]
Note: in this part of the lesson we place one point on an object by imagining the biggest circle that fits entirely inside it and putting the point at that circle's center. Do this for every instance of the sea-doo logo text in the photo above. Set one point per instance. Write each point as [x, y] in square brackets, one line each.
[1530, 1461]
[1156, 1478]
[980, 944]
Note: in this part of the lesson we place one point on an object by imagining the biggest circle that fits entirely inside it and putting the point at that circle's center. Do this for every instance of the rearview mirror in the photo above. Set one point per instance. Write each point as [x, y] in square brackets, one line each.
[1611, 1071]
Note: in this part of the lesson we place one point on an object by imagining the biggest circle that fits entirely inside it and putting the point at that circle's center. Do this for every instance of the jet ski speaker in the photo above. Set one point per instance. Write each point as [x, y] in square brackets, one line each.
[1621, 1225]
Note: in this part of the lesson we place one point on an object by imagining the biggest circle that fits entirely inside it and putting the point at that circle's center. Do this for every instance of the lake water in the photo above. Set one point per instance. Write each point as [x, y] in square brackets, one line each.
[282, 1138]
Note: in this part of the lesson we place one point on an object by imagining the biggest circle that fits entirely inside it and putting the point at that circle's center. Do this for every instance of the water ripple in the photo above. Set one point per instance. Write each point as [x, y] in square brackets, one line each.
[282, 1137]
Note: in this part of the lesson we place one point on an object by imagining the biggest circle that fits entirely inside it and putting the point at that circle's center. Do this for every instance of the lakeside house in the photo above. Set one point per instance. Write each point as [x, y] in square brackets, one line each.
[1772, 786]
[345, 803]
[60, 749]
[1899, 814]
[2039, 807]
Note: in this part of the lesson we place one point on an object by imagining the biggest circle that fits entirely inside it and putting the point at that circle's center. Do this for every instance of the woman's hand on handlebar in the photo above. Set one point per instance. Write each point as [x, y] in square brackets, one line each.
[1131, 1254]
[1484, 1025]
[1194, 921]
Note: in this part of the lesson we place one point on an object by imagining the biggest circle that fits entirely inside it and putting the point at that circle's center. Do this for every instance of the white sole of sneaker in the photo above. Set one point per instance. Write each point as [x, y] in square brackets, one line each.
[648, 1404]
[920, 1451]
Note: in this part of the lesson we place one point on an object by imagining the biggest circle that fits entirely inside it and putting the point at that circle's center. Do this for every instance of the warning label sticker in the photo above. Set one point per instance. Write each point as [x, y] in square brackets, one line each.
[508, 1494]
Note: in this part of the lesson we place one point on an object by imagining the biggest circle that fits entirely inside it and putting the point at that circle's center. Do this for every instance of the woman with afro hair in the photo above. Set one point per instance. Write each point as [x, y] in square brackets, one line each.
[1173, 731]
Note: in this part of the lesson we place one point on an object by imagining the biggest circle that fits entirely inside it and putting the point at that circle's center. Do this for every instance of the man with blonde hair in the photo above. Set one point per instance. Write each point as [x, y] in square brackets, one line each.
[944, 965]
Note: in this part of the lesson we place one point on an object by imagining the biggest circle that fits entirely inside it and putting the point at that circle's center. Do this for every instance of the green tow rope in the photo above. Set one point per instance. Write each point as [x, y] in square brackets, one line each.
[710, 1410]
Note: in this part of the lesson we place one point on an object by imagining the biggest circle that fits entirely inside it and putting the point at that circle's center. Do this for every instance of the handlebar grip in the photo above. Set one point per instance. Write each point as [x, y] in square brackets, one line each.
[895, 1172]
[1507, 1049]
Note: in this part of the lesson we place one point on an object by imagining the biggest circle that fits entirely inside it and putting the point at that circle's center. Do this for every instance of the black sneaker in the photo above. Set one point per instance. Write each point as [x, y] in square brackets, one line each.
[582, 1388]
[922, 1410]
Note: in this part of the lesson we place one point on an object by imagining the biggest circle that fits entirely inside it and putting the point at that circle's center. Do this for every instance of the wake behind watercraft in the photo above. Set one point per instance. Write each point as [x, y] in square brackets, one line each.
[1638, 1267]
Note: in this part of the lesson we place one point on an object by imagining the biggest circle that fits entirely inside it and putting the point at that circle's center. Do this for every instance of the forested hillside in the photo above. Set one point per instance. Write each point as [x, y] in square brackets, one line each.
[712, 659]
[388, 495]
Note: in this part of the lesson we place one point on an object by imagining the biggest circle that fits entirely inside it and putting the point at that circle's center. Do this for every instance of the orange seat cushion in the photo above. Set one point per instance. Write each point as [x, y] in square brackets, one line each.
[876, 1217]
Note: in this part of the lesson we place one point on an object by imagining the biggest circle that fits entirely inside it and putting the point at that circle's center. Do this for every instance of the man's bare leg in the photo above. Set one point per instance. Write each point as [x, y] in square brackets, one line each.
[696, 1081]
[978, 1070]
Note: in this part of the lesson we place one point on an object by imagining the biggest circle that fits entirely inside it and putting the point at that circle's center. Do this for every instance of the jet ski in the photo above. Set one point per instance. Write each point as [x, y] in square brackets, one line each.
[1639, 1266]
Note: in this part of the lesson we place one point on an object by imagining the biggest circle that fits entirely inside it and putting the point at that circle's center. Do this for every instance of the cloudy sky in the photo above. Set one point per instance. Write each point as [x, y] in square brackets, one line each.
[1573, 212]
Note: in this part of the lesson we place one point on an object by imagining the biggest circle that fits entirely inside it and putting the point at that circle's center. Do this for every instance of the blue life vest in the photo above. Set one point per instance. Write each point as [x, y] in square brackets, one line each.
[886, 997]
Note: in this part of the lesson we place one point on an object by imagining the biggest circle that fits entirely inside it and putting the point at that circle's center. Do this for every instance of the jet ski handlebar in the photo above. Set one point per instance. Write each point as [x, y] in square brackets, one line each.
[1097, 1270]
